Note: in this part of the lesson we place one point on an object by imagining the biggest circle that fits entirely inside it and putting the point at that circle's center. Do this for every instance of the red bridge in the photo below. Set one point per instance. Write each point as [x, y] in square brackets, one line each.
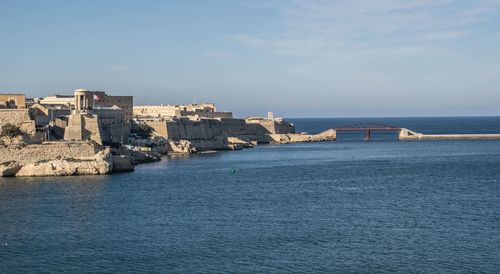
[368, 128]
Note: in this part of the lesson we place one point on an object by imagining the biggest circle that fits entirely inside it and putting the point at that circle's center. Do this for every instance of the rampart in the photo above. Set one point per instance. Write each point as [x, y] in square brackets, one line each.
[48, 151]
[17, 117]
[219, 133]
[212, 129]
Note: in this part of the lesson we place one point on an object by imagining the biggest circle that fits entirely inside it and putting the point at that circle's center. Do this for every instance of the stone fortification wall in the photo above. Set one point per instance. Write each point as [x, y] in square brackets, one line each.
[18, 117]
[91, 128]
[158, 128]
[192, 129]
[199, 128]
[233, 126]
[267, 126]
[213, 129]
[283, 127]
[55, 159]
[48, 151]
[83, 127]
[204, 129]
[217, 134]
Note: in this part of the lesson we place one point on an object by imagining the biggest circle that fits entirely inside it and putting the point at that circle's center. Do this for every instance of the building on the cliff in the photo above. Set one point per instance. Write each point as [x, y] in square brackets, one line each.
[87, 115]
[205, 127]
[99, 100]
[58, 100]
[126, 103]
[13, 111]
[207, 110]
[45, 114]
[93, 120]
[12, 101]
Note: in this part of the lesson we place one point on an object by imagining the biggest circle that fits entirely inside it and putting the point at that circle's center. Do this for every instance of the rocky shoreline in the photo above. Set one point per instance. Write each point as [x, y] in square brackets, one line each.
[55, 159]
[22, 158]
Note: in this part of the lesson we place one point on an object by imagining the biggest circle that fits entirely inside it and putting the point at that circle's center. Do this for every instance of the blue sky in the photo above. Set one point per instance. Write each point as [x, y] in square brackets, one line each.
[296, 58]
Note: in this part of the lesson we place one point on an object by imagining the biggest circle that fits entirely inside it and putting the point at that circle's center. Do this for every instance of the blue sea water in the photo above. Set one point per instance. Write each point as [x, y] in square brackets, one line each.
[345, 206]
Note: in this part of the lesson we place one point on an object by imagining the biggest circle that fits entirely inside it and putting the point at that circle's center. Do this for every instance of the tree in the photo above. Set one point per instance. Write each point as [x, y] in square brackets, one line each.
[10, 130]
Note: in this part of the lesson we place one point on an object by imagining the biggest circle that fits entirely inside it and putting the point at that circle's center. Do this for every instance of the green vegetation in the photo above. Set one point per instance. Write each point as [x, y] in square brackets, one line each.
[10, 130]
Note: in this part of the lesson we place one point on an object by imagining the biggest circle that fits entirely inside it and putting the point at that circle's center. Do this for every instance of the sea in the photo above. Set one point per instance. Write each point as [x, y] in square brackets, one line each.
[349, 206]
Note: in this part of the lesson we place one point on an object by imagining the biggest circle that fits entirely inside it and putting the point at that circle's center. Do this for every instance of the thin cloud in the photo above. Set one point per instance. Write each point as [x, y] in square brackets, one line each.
[312, 28]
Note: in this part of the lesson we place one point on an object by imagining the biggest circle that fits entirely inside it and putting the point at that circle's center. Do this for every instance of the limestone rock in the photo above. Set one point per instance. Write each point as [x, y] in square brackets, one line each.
[239, 142]
[181, 146]
[9, 169]
[101, 163]
[328, 135]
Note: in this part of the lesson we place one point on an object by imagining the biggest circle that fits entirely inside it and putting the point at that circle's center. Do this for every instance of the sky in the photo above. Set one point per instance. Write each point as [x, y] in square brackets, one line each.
[325, 58]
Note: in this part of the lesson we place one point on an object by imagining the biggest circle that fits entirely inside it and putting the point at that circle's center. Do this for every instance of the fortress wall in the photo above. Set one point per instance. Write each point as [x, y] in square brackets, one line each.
[91, 128]
[266, 126]
[14, 116]
[73, 130]
[284, 127]
[204, 129]
[234, 126]
[214, 129]
[172, 130]
[257, 129]
[217, 133]
[96, 128]
[18, 117]
[48, 151]
[260, 127]
[158, 127]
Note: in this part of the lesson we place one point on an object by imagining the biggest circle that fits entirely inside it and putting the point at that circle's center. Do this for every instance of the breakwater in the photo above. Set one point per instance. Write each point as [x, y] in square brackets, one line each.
[408, 135]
